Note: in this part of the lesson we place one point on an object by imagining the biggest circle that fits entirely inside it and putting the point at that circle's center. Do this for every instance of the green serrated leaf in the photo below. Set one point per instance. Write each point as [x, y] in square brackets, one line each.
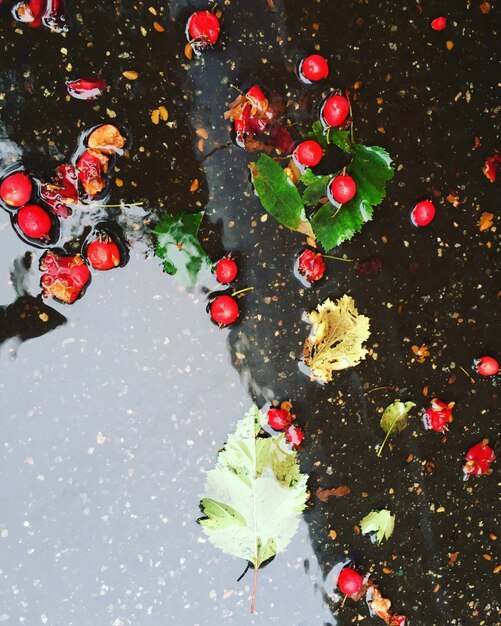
[341, 138]
[317, 134]
[371, 169]
[381, 522]
[394, 420]
[315, 187]
[178, 246]
[255, 494]
[278, 195]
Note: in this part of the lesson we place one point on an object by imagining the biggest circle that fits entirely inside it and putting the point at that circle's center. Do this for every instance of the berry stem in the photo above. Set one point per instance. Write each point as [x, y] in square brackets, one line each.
[237, 89]
[352, 126]
[118, 206]
[337, 258]
[392, 387]
[240, 291]
[472, 380]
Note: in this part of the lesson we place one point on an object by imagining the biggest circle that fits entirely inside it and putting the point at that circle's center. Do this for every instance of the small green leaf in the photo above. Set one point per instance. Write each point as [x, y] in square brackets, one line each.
[316, 187]
[178, 246]
[394, 420]
[341, 138]
[317, 134]
[382, 522]
[278, 195]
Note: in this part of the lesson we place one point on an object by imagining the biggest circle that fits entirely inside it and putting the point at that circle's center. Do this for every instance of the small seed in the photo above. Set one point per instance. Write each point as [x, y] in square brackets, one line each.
[130, 75]
[200, 145]
[493, 537]
[194, 185]
[332, 534]
[497, 569]
[201, 132]
[155, 116]
[449, 45]
[119, 182]
[188, 51]
[487, 557]
[164, 114]
[158, 27]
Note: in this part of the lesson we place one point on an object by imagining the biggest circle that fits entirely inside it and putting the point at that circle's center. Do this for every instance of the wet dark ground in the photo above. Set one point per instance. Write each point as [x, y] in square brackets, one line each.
[110, 421]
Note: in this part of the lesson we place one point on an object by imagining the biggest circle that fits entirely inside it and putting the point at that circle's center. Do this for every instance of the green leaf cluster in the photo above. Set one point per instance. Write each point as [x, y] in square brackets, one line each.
[371, 168]
[178, 246]
[381, 522]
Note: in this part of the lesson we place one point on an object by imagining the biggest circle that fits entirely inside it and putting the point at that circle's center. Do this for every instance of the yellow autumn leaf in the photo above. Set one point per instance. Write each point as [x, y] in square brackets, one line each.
[335, 342]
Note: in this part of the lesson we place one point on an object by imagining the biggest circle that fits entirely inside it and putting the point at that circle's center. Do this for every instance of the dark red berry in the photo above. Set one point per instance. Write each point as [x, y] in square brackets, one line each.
[423, 213]
[350, 582]
[103, 253]
[294, 435]
[226, 270]
[311, 265]
[224, 310]
[34, 221]
[203, 28]
[486, 366]
[342, 188]
[16, 189]
[439, 23]
[313, 68]
[438, 415]
[309, 153]
[335, 110]
[64, 277]
[479, 458]
[279, 419]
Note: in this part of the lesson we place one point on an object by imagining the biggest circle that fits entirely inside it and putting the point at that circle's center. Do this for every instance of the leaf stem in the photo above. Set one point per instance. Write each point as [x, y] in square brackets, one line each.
[118, 206]
[472, 380]
[240, 291]
[392, 387]
[352, 126]
[254, 591]
[388, 434]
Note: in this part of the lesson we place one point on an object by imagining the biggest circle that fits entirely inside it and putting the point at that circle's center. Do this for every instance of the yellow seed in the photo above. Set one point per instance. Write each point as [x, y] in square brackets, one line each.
[201, 132]
[119, 182]
[332, 534]
[487, 557]
[152, 10]
[164, 114]
[497, 569]
[155, 116]
[194, 185]
[44, 317]
[130, 75]
[201, 145]
[450, 45]
[158, 27]
[188, 51]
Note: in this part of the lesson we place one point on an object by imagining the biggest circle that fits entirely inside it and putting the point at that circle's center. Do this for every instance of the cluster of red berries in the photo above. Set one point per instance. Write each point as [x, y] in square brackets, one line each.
[52, 14]
[224, 308]
[36, 209]
[281, 419]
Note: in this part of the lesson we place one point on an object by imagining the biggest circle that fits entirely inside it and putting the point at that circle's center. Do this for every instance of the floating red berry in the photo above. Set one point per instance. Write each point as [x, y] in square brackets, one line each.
[85, 88]
[491, 166]
[203, 29]
[16, 189]
[335, 110]
[256, 96]
[423, 213]
[279, 419]
[350, 581]
[92, 166]
[34, 221]
[342, 188]
[486, 366]
[311, 265]
[479, 458]
[308, 153]
[313, 68]
[294, 435]
[224, 310]
[438, 415]
[226, 270]
[439, 23]
[64, 277]
[103, 253]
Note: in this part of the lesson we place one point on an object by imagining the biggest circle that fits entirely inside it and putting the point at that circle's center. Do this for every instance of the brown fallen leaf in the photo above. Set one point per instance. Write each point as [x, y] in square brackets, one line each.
[486, 221]
[324, 495]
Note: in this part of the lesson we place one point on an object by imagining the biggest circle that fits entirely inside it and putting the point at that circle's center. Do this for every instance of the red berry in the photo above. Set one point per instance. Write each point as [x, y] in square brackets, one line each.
[224, 310]
[438, 415]
[479, 458]
[342, 188]
[423, 213]
[226, 270]
[311, 265]
[309, 153]
[103, 254]
[85, 88]
[335, 110]
[34, 221]
[349, 582]
[439, 23]
[64, 277]
[16, 189]
[486, 366]
[313, 67]
[279, 419]
[294, 435]
[203, 28]
[256, 94]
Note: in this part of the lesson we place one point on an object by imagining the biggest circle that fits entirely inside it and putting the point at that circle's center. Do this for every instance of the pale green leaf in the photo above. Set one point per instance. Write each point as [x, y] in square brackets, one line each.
[381, 522]
[396, 417]
[254, 496]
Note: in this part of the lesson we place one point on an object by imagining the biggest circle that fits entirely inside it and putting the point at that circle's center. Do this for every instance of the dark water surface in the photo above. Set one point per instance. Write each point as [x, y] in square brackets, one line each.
[110, 420]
